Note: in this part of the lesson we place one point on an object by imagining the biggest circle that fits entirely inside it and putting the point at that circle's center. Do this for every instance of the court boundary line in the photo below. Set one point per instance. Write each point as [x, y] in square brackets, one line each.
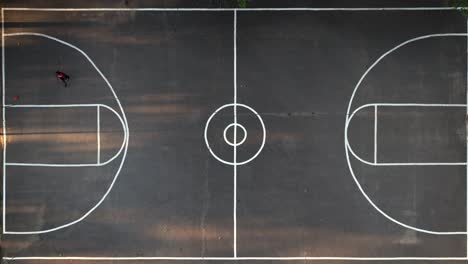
[353, 9]
[121, 116]
[240, 258]
[123, 113]
[466, 138]
[4, 125]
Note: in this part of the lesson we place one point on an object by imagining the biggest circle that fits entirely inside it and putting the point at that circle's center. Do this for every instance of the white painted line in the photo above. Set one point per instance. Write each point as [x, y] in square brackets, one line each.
[241, 258]
[408, 105]
[419, 163]
[466, 138]
[51, 105]
[98, 164]
[98, 129]
[53, 165]
[375, 134]
[375, 163]
[237, 9]
[234, 143]
[237, 162]
[3, 123]
[122, 118]
[231, 258]
[348, 119]
[235, 136]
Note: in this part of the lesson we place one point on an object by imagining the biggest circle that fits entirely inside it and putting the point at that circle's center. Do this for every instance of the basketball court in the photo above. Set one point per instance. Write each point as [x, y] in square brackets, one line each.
[257, 135]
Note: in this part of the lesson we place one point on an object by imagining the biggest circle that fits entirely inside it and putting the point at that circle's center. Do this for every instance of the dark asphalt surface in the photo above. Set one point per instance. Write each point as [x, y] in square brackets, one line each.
[172, 70]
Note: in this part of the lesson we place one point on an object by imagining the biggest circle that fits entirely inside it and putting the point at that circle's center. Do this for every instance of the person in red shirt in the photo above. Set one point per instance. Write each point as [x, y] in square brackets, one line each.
[63, 77]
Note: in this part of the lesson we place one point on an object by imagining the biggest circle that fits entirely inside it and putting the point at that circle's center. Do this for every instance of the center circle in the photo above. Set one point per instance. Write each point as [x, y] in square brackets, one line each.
[235, 162]
[234, 126]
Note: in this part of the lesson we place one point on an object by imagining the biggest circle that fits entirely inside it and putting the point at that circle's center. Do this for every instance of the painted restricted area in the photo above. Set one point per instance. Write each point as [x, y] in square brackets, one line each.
[48, 135]
[333, 133]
